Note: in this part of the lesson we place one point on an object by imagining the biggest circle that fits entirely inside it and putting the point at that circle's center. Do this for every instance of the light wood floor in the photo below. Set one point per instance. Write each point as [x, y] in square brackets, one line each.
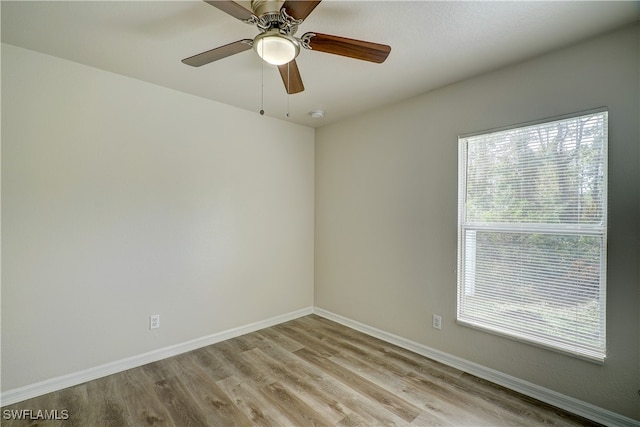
[306, 372]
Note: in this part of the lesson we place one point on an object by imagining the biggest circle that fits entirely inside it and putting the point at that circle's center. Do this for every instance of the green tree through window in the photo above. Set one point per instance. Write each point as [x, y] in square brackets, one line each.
[532, 233]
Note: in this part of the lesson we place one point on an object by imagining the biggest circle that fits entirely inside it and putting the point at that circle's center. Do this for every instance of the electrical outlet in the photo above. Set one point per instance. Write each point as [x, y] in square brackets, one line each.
[154, 321]
[437, 321]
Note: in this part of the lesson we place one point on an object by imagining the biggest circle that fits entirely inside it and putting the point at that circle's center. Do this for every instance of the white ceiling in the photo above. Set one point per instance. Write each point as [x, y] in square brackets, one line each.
[434, 43]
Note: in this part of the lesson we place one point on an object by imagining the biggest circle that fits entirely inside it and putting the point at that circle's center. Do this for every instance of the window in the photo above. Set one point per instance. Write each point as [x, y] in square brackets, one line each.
[532, 224]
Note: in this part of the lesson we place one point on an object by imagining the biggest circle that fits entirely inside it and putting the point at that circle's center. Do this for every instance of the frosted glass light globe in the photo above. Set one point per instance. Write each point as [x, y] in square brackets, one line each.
[275, 48]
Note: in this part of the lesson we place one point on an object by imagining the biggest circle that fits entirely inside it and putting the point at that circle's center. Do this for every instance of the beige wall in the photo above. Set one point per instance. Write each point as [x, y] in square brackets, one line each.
[386, 212]
[122, 199]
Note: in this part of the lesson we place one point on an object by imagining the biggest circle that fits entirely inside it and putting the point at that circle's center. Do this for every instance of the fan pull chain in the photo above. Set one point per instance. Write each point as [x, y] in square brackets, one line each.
[262, 83]
[288, 86]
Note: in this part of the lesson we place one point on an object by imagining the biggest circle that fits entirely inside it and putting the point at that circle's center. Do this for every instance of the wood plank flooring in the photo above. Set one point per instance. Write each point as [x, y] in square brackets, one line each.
[306, 372]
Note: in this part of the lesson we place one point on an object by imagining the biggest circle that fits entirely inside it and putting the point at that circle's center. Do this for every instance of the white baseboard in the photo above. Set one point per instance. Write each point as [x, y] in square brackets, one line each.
[54, 384]
[575, 406]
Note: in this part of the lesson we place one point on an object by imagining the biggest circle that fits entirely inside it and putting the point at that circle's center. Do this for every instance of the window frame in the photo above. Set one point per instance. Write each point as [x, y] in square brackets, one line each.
[531, 228]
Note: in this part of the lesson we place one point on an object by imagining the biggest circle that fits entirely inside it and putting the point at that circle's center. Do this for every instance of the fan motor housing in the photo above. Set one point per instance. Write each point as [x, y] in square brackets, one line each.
[265, 7]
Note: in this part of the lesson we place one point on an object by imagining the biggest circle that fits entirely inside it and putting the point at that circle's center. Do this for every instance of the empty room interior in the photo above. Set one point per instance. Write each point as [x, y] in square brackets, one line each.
[169, 194]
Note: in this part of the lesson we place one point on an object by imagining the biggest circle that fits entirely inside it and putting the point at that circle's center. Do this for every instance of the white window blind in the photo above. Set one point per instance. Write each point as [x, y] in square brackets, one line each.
[532, 224]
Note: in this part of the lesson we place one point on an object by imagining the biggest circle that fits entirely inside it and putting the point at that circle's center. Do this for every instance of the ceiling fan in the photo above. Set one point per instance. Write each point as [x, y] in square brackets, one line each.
[277, 43]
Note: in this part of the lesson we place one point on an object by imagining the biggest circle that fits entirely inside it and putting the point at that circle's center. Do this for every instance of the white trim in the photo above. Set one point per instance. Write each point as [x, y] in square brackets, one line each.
[10, 397]
[537, 122]
[575, 406]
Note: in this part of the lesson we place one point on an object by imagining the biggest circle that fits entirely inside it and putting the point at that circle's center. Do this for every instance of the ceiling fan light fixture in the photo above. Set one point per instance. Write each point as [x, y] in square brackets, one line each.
[276, 48]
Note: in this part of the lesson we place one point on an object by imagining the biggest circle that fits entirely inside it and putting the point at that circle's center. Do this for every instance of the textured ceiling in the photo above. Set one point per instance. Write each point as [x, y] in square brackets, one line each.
[433, 44]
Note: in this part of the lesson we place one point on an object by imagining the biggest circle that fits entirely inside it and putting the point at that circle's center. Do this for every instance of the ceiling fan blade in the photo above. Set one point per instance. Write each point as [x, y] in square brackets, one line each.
[232, 8]
[358, 49]
[299, 9]
[291, 77]
[218, 53]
